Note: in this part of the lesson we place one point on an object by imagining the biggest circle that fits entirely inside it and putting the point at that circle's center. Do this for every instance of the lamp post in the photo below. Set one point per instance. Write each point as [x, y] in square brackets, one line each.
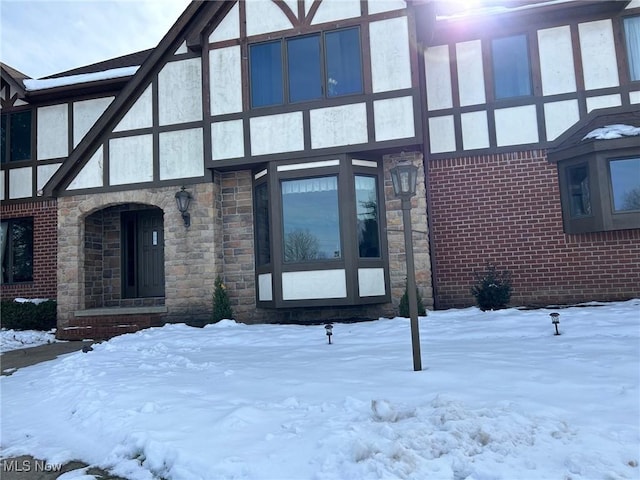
[404, 177]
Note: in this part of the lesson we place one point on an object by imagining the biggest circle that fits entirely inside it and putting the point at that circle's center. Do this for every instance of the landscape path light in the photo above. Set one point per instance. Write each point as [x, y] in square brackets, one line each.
[404, 177]
[329, 328]
[555, 319]
[183, 199]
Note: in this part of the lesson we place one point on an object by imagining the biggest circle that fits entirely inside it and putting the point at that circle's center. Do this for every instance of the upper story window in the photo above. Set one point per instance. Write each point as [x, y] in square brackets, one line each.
[16, 249]
[511, 67]
[310, 67]
[15, 136]
[632, 36]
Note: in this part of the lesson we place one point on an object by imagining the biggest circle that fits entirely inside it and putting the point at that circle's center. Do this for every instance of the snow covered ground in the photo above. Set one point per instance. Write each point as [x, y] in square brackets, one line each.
[500, 397]
[15, 339]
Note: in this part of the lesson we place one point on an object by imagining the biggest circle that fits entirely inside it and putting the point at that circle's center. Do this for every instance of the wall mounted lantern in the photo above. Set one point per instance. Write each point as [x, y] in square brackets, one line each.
[555, 319]
[183, 199]
[404, 178]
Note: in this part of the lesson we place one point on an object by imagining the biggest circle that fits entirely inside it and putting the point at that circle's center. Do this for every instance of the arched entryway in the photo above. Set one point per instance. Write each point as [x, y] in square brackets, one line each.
[124, 257]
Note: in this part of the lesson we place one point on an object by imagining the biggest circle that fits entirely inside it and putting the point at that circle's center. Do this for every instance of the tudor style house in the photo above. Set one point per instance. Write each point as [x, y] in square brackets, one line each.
[280, 121]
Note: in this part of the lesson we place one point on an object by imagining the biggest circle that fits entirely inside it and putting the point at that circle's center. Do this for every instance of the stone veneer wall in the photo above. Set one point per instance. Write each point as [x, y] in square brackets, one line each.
[420, 231]
[190, 253]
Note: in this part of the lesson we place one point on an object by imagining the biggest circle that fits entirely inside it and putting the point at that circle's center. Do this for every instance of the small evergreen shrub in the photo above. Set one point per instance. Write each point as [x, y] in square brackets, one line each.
[404, 304]
[221, 304]
[492, 288]
[28, 315]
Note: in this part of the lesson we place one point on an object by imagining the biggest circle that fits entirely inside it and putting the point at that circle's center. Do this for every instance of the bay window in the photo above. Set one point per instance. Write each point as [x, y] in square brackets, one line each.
[318, 235]
[600, 191]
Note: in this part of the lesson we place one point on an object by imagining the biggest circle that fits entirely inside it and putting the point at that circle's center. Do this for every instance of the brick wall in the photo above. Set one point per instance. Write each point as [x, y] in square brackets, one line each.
[505, 209]
[45, 247]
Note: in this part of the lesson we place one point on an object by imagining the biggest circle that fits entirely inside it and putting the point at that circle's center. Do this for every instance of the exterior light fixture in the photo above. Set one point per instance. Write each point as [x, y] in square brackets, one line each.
[329, 328]
[183, 199]
[555, 319]
[404, 177]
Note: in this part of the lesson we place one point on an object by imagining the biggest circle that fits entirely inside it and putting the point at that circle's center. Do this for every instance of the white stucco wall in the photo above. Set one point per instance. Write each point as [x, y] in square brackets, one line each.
[336, 126]
[516, 125]
[470, 73]
[442, 136]
[598, 54]
[393, 118]
[634, 97]
[603, 101]
[139, 115]
[475, 130]
[559, 116]
[20, 182]
[44, 173]
[371, 282]
[225, 77]
[556, 60]
[378, 6]
[438, 77]
[92, 174]
[227, 139]
[331, 10]
[390, 58]
[85, 114]
[265, 17]
[228, 28]
[276, 133]
[314, 284]
[181, 154]
[53, 131]
[180, 92]
[2, 185]
[131, 159]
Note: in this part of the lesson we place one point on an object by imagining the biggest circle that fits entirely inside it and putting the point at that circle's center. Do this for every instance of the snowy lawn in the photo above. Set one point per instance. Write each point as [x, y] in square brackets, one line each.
[15, 339]
[500, 397]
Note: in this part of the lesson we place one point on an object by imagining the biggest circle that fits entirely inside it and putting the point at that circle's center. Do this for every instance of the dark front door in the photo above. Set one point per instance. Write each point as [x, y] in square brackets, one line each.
[143, 253]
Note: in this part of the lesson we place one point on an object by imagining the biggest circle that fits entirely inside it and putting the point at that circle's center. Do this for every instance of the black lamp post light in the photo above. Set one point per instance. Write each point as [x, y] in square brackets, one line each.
[183, 199]
[404, 177]
[555, 320]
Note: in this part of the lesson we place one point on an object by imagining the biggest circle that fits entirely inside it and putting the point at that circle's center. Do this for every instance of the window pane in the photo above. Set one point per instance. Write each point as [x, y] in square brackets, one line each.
[625, 183]
[20, 143]
[262, 225]
[310, 219]
[367, 216]
[579, 191]
[344, 70]
[632, 36]
[303, 56]
[511, 73]
[266, 74]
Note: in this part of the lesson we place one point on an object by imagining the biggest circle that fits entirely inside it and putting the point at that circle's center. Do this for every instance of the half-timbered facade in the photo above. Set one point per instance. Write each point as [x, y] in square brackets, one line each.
[281, 121]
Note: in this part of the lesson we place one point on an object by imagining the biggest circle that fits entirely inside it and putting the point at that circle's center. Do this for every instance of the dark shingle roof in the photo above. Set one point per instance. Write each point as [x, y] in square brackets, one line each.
[130, 60]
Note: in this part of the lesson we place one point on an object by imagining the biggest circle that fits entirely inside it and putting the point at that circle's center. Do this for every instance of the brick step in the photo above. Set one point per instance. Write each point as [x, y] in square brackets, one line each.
[104, 327]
